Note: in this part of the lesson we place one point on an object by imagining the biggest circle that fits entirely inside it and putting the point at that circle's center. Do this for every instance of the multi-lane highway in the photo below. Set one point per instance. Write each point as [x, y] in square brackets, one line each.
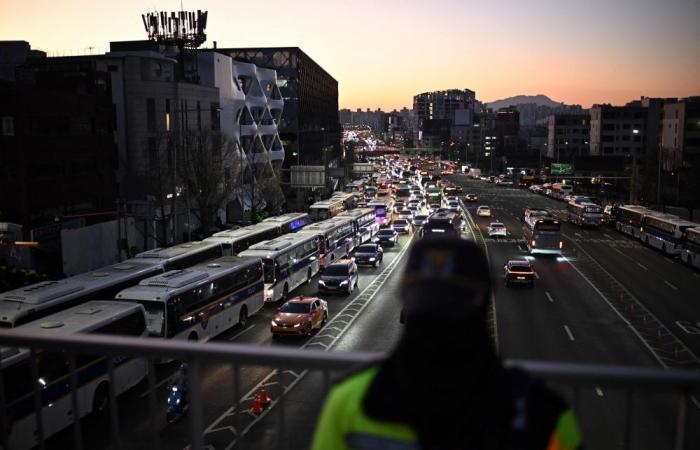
[607, 300]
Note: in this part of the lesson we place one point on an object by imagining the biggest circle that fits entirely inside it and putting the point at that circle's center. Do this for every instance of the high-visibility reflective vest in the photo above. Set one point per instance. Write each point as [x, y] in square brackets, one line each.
[344, 425]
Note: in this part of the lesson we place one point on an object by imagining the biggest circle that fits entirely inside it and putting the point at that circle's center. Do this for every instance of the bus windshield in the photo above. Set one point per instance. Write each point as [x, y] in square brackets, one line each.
[155, 317]
[269, 270]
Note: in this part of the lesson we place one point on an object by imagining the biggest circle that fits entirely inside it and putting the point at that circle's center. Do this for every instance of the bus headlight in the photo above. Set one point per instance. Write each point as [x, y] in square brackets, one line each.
[270, 292]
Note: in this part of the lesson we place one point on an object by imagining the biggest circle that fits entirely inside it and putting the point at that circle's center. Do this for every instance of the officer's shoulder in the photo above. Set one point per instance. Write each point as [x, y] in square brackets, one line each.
[355, 381]
[535, 390]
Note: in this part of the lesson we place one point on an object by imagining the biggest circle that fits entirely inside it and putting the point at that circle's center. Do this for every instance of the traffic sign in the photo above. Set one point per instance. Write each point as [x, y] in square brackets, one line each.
[561, 169]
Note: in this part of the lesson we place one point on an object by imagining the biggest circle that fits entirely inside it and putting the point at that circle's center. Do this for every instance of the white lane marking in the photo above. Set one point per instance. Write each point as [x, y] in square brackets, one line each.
[536, 275]
[549, 297]
[608, 236]
[671, 285]
[578, 234]
[599, 391]
[241, 332]
[631, 259]
[642, 266]
[568, 331]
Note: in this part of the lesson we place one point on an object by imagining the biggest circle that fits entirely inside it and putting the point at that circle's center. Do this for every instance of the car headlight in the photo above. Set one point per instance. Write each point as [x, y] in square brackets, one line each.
[297, 325]
[372, 259]
[344, 283]
[273, 323]
[321, 282]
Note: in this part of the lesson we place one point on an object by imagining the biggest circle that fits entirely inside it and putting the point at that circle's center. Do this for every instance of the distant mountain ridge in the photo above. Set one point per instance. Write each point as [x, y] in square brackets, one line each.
[539, 99]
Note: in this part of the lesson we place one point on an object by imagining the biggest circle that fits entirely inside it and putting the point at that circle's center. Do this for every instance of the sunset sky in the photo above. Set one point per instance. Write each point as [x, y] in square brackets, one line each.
[382, 52]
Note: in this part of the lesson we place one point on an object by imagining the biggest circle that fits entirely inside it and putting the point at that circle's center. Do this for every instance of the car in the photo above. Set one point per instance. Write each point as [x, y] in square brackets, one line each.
[299, 316]
[453, 207]
[497, 229]
[402, 226]
[369, 255]
[399, 205]
[339, 276]
[406, 214]
[420, 219]
[471, 198]
[483, 211]
[519, 272]
[414, 204]
[386, 236]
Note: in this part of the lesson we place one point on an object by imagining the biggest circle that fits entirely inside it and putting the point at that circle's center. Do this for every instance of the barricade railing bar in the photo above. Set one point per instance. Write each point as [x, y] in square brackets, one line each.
[628, 379]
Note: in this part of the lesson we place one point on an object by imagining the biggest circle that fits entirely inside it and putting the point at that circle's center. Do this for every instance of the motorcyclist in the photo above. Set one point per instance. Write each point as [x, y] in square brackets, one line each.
[179, 379]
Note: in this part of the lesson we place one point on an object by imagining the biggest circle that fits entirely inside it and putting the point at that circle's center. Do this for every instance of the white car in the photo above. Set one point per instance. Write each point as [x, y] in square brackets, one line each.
[483, 211]
[497, 229]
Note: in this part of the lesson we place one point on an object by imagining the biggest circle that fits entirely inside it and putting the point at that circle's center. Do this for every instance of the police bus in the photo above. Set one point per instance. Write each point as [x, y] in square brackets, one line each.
[288, 262]
[542, 232]
[690, 252]
[443, 222]
[585, 214]
[383, 208]
[364, 223]
[33, 302]
[325, 209]
[290, 222]
[629, 219]
[664, 232]
[202, 301]
[336, 238]
[349, 200]
[52, 378]
[182, 255]
[239, 239]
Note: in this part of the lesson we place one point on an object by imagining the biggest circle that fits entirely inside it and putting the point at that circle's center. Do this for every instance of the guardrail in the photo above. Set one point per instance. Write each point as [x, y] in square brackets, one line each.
[575, 376]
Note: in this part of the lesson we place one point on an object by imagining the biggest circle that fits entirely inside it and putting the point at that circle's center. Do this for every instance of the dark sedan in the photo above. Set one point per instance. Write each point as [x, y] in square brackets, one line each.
[386, 236]
[519, 272]
[369, 255]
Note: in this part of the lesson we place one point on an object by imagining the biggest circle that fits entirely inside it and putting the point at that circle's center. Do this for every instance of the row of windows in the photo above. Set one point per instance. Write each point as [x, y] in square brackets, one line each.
[297, 254]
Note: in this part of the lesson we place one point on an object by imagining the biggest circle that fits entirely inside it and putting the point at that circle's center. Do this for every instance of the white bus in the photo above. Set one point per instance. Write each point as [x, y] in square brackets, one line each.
[629, 219]
[364, 223]
[200, 302]
[383, 208]
[336, 238]
[29, 303]
[290, 222]
[53, 380]
[690, 253]
[184, 255]
[288, 262]
[585, 214]
[349, 200]
[542, 232]
[325, 209]
[239, 239]
[664, 232]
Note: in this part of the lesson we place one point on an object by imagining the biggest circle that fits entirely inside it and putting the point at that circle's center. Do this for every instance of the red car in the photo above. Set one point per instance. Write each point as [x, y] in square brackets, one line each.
[299, 316]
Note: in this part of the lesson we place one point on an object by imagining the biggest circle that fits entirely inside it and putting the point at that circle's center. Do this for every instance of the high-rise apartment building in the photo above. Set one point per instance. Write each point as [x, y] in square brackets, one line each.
[568, 136]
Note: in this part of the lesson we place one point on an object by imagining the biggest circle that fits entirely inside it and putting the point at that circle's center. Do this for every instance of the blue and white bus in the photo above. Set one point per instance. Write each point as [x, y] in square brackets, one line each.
[184, 255]
[364, 221]
[336, 238]
[202, 301]
[288, 262]
[290, 222]
[29, 303]
[690, 253]
[236, 240]
[629, 219]
[664, 232]
[53, 378]
[585, 214]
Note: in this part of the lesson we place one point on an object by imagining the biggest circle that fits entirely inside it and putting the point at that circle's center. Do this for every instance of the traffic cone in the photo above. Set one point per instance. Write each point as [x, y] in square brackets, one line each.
[264, 399]
[256, 408]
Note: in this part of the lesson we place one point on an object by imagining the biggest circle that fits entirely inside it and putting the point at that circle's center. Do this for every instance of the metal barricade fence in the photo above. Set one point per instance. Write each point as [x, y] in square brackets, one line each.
[295, 363]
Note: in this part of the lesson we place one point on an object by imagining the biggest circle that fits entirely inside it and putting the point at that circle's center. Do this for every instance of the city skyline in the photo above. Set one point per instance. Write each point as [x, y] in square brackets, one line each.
[382, 55]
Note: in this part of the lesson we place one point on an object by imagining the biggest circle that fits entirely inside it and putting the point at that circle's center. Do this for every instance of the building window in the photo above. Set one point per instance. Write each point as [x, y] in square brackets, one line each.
[151, 114]
[8, 126]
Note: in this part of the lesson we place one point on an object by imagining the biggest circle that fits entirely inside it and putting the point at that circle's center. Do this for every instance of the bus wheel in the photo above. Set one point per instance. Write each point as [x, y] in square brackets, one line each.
[243, 316]
[192, 337]
[285, 292]
[100, 402]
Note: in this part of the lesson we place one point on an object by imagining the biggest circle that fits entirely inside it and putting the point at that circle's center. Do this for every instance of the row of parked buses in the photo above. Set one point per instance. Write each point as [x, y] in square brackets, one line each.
[191, 291]
[668, 233]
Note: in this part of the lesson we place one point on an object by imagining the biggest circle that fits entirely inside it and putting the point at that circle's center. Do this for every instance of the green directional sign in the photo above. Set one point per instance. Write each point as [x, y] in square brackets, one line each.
[561, 169]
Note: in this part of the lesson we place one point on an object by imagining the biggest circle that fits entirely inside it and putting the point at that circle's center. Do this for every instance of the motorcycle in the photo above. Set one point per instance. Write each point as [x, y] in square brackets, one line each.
[177, 404]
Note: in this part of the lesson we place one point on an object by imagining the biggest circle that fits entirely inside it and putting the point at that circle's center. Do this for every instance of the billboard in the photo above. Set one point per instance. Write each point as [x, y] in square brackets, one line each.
[561, 169]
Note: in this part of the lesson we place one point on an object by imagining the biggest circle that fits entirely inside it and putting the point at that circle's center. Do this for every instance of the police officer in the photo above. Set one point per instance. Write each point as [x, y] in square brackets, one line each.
[443, 387]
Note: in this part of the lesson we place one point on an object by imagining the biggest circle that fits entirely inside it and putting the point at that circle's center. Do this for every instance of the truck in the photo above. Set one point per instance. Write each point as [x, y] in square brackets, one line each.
[474, 173]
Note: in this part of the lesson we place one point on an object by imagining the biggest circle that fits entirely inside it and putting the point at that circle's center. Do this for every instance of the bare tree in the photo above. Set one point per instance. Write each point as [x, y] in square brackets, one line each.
[208, 170]
[162, 185]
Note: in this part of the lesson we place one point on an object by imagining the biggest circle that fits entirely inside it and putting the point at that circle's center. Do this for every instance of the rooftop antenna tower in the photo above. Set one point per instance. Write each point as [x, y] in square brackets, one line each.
[181, 29]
